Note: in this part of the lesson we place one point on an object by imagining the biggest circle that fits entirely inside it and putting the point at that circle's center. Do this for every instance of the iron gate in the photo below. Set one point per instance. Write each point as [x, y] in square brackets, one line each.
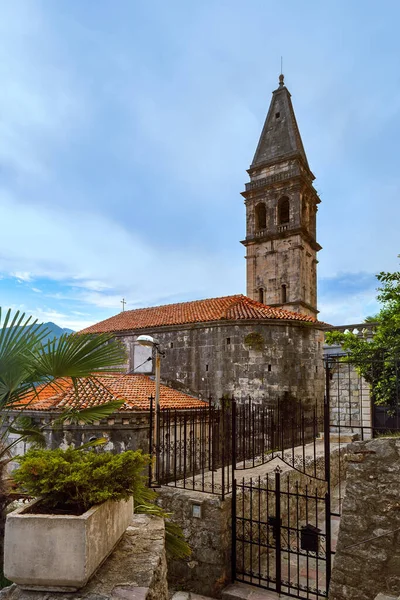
[281, 522]
[281, 538]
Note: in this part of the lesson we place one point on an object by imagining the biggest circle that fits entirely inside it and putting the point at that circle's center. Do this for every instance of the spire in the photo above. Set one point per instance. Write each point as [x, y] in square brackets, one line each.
[280, 136]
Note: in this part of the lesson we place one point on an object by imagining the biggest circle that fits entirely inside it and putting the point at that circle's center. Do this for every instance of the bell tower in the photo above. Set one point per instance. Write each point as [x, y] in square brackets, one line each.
[281, 209]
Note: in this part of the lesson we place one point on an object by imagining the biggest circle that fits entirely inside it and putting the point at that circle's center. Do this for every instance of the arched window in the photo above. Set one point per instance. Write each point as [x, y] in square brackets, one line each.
[283, 211]
[283, 293]
[261, 216]
[261, 295]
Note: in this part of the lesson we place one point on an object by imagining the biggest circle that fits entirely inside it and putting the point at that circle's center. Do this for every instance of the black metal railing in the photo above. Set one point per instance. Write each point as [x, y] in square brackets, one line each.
[200, 449]
[354, 385]
[193, 449]
[281, 536]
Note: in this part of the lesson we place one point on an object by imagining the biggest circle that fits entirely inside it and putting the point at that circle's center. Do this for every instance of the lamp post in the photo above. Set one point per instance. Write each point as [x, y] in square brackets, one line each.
[148, 340]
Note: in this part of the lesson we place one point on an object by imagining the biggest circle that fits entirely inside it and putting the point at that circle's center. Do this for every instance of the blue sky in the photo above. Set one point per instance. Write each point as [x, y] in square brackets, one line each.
[126, 129]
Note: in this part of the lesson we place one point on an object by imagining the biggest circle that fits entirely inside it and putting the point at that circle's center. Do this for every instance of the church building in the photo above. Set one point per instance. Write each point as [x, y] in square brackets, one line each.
[268, 344]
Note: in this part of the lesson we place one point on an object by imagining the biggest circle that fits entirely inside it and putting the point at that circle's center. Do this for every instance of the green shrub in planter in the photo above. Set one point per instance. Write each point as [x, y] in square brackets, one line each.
[76, 480]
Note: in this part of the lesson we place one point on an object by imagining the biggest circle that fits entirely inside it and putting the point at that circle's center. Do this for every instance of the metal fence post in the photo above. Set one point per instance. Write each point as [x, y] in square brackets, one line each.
[277, 526]
[233, 556]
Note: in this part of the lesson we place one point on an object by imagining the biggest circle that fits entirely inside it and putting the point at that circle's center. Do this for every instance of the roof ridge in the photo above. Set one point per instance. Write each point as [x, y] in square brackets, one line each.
[180, 303]
[194, 311]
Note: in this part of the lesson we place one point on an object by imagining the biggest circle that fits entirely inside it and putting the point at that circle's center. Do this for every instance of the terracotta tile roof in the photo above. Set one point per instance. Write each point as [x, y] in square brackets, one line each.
[135, 390]
[230, 308]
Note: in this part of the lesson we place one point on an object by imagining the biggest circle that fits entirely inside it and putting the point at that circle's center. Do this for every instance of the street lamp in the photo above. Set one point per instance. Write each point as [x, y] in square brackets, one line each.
[148, 340]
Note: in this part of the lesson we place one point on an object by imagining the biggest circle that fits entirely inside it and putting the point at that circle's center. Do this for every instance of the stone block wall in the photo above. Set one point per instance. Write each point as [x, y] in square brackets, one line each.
[350, 400]
[220, 360]
[124, 431]
[367, 559]
[209, 535]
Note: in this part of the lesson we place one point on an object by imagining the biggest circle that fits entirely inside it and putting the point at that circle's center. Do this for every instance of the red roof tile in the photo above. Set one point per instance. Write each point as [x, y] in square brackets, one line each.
[134, 389]
[227, 308]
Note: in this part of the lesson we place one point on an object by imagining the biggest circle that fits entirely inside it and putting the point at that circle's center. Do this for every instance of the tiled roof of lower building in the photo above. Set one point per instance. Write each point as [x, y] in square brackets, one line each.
[134, 389]
[230, 308]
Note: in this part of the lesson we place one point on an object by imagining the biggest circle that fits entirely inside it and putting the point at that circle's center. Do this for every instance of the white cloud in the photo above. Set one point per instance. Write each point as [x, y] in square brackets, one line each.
[94, 255]
[22, 275]
[349, 308]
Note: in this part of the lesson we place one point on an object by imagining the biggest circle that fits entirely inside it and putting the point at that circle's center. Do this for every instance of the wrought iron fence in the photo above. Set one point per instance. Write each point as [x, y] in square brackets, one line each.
[193, 449]
[353, 387]
[200, 449]
[357, 389]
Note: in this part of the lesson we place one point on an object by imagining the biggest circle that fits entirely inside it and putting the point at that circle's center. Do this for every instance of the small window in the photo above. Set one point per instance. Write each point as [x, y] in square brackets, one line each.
[283, 211]
[206, 367]
[260, 216]
[228, 341]
[277, 115]
[316, 369]
[283, 293]
[269, 368]
[171, 345]
[261, 295]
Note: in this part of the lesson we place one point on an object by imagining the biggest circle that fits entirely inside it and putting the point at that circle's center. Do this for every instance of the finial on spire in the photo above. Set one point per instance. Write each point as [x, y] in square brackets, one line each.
[281, 78]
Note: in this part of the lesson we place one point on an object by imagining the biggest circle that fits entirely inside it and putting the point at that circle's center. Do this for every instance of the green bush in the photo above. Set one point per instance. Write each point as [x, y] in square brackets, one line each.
[75, 479]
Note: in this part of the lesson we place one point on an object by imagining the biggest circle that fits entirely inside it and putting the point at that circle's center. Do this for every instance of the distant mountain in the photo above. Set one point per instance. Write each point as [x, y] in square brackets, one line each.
[55, 331]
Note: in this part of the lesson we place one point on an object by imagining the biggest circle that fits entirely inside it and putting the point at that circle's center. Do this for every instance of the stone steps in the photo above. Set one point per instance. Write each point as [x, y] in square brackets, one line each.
[189, 596]
[243, 591]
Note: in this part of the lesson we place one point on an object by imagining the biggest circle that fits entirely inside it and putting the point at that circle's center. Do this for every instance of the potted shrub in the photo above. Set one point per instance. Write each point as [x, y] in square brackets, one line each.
[84, 506]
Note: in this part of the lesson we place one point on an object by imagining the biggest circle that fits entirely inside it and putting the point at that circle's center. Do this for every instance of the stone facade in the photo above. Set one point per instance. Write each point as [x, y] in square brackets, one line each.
[367, 559]
[124, 431]
[264, 361]
[281, 207]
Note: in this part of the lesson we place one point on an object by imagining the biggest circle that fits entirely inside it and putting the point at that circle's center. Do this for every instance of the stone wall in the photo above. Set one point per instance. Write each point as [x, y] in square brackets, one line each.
[350, 400]
[221, 359]
[137, 568]
[209, 535]
[124, 431]
[350, 395]
[367, 559]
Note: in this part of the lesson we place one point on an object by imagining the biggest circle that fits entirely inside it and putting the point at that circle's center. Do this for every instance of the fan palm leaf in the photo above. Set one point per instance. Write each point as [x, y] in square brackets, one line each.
[28, 364]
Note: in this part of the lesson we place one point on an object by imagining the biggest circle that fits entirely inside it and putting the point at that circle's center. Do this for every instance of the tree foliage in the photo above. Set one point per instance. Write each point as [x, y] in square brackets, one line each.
[72, 478]
[378, 358]
[28, 360]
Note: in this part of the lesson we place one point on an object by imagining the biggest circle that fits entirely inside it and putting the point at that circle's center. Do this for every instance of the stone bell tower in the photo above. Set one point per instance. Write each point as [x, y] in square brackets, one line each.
[281, 209]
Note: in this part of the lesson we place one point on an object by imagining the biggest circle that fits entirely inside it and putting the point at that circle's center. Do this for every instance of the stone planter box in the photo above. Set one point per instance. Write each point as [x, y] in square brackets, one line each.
[61, 552]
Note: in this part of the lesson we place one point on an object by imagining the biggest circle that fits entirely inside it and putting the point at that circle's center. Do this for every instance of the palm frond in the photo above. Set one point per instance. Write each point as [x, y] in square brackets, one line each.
[78, 356]
[27, 430]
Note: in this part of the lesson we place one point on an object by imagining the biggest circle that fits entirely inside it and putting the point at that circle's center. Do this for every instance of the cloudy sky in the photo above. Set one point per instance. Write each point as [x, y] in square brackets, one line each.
[126, 128]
